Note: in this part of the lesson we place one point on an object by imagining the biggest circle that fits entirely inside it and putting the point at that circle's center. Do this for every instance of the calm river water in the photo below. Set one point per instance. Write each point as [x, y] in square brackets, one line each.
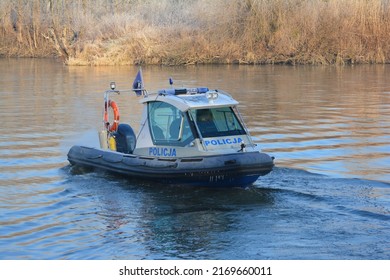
[328, 197]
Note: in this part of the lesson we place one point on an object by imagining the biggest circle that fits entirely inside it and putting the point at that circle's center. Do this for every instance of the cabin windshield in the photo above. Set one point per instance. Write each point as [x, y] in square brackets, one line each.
[216, 122]
[168, 125]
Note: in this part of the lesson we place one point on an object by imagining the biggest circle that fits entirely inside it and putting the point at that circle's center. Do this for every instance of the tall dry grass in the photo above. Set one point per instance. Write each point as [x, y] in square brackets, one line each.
[103, 32]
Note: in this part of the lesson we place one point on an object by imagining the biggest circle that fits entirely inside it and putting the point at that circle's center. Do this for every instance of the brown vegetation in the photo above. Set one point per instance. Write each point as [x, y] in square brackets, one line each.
[104, 32]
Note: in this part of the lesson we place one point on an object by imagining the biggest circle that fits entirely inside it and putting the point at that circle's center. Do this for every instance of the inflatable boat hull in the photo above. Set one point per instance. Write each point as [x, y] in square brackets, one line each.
[228, 170]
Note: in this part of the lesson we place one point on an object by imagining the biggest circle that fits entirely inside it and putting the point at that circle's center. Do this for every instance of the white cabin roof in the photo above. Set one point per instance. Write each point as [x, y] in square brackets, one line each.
[192, 99]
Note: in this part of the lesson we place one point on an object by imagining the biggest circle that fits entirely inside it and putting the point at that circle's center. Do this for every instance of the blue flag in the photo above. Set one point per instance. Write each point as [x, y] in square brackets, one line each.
[138, 84]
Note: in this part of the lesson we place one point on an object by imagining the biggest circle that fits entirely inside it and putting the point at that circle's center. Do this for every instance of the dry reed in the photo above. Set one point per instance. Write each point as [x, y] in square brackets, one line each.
[172, 32]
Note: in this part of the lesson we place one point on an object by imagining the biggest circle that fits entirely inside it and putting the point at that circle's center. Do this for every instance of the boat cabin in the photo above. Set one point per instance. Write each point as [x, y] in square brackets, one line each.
[196, 118]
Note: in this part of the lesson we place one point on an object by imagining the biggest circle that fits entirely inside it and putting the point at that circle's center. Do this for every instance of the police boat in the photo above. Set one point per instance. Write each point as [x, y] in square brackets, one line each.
[187, 136]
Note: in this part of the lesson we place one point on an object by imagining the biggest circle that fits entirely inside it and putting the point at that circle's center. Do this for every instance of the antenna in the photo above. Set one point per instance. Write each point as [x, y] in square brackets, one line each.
[171, 81]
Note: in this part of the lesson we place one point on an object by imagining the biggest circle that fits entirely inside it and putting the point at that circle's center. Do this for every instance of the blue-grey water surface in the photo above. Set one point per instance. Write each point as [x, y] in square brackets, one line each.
[327, 198]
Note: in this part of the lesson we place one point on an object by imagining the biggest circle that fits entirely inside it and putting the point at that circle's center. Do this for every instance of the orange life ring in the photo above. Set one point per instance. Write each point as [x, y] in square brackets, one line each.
[114, 126]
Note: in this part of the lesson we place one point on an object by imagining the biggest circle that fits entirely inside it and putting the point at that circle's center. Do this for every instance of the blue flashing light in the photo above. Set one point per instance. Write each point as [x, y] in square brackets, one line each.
[178, 91]
[203, 89]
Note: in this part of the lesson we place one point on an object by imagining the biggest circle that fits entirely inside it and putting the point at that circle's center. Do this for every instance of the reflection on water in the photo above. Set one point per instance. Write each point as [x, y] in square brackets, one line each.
[188, 221]
[325, 120]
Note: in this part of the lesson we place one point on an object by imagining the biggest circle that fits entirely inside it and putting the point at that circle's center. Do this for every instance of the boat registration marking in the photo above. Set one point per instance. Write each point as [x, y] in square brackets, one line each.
[223, 141]
[161, 151]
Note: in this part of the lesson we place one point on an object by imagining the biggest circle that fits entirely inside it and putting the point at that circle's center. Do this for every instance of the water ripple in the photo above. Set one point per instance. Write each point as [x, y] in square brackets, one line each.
[328, 196]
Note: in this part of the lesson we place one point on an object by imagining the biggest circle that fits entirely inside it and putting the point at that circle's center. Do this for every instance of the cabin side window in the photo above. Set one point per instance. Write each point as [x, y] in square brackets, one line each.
[168, 125]
[215, 122]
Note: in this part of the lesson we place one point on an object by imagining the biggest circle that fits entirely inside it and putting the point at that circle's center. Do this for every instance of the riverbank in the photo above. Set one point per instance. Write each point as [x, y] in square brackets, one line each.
[172, 32]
